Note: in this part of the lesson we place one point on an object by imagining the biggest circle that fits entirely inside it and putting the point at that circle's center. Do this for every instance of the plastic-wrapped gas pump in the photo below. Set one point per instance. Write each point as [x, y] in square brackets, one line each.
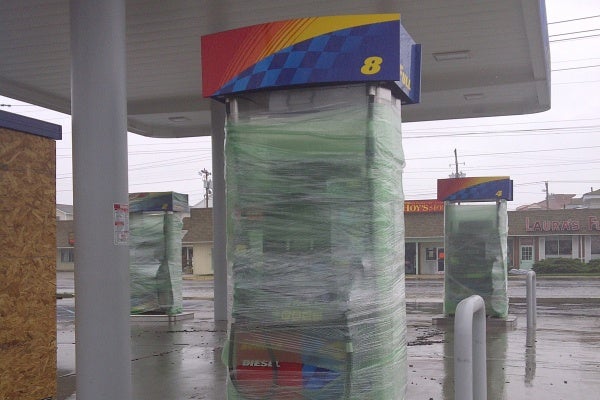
[316, 244]
[155, 225]
[476, 256]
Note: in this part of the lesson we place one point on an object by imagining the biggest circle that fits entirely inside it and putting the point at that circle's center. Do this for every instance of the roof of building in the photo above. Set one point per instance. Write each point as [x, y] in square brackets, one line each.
[199, 226]
[66, 208]
[202, 203]
[556, 201]
[29, 125]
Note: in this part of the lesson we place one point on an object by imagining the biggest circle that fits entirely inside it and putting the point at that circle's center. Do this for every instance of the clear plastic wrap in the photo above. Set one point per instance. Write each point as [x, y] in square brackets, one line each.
[476, 256]
[315, 245]
[155, 262]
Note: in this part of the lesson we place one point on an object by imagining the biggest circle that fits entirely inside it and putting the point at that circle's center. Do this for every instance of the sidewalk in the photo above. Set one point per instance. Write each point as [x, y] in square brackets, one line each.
[549, 290]
[182, 360]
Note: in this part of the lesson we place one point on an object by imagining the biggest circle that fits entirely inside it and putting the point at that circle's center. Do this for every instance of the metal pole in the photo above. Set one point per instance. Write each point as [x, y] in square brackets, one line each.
[99, 118]
[456, 163]
[470, 368]
[531, 308]
[219, 258]
[530, 363]
[206, 185]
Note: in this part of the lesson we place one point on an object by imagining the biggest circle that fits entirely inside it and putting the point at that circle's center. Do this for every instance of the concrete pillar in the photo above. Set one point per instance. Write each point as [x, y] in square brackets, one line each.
[99, 111]
[219, 216]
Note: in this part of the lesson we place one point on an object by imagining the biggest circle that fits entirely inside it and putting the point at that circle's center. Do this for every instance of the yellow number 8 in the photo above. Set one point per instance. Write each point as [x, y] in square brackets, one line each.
[371, 66]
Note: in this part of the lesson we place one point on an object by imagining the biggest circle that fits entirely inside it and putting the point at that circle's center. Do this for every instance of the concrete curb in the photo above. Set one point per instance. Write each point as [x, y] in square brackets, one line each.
[514, 300]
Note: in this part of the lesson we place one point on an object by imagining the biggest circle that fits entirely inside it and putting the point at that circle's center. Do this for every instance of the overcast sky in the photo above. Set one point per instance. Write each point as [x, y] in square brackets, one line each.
[560, 146]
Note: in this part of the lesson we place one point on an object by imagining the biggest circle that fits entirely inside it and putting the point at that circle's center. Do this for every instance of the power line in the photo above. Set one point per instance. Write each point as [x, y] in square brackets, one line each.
[576, 60]
[568, 69]
[530, 169]
[531, 132]
[575, 38]
[169, 181]
[573, 83]
[169, 163]
[574, 32]
[16, 105]
[574, 19]
[499, 124]
[508, 152]
[530, 166]
[151, 152]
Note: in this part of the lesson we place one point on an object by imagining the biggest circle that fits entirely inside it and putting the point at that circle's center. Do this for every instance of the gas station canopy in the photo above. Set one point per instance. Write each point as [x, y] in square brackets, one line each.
[479, 57]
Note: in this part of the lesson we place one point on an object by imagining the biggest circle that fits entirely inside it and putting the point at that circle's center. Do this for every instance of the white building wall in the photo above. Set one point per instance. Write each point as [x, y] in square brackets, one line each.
[202, 260]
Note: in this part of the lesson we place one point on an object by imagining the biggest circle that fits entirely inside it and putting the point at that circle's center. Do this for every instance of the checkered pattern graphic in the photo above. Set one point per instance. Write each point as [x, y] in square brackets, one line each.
[325, 58]
[484, 191]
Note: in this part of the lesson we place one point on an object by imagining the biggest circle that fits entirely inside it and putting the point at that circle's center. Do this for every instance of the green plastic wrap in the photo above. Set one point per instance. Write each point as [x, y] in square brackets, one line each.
[155, 262]
[476, 256]
[315, 245]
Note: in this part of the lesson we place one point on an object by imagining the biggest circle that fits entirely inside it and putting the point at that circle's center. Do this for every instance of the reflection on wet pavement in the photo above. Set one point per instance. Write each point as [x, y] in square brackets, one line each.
[183, 360]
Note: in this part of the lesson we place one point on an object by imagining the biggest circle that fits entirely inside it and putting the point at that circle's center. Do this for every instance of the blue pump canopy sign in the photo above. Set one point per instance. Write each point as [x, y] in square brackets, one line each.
[313, 51]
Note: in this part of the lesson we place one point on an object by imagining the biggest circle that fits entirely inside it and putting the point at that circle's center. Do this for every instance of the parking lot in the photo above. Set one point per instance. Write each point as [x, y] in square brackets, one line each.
[183, 360]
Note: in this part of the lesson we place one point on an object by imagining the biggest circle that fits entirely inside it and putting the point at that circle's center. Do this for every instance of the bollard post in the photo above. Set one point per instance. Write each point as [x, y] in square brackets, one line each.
[470, 367]
[531, 300]
[531, 308]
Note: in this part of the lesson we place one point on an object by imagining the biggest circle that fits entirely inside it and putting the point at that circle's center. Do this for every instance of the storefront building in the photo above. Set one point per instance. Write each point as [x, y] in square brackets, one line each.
[540, 234]
[533, 235]
[424, 237]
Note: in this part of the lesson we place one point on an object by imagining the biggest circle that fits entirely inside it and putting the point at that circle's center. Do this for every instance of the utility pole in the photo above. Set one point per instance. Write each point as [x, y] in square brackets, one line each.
[547, 196]
[207, 184]
[456, 163]
[457, 174]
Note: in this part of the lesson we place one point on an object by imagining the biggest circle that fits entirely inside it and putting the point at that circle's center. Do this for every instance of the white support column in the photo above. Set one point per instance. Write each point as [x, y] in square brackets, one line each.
[99, 111]
[219, 257]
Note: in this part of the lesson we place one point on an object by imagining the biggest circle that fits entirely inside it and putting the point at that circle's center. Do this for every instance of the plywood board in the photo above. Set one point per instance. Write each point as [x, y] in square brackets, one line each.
[27, 266]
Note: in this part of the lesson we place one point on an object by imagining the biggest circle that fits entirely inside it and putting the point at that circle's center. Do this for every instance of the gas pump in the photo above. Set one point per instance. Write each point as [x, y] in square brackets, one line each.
[315, 232]
[476, 232]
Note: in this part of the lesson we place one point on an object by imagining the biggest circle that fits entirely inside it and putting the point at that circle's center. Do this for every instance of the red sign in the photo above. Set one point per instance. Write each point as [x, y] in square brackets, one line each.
[477, 188]
[423, 206]
[284, 365]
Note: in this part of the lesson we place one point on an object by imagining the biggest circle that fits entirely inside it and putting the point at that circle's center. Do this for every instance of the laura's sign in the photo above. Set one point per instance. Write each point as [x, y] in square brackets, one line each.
[565, 225]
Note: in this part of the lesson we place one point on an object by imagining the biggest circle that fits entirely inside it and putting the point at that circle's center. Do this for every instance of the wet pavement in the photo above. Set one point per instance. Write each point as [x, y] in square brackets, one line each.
[182, 360]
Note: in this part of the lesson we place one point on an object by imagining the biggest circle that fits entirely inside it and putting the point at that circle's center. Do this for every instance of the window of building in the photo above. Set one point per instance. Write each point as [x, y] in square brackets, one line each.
[560, 246]
[67, 255]
[431, 253]
[526, 253]
[595, 247]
